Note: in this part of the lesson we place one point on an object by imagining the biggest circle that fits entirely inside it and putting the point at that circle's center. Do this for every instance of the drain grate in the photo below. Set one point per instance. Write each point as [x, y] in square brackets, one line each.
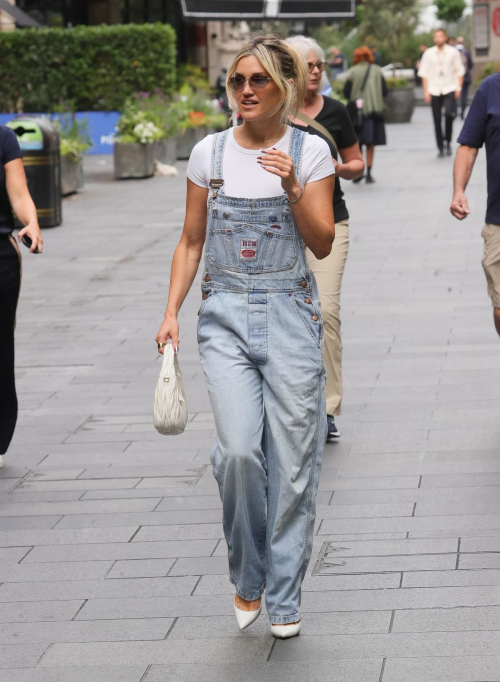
[326, 559]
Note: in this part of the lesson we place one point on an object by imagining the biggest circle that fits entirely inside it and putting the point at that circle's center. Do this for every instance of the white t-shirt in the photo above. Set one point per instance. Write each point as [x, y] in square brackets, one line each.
[244, 177]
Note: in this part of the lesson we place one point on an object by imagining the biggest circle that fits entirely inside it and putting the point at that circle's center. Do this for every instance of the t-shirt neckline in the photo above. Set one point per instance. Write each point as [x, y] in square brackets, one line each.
[255, 152]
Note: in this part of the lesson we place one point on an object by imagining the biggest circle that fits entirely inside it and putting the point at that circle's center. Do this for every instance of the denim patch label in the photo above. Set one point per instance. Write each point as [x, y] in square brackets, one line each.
[248, 249]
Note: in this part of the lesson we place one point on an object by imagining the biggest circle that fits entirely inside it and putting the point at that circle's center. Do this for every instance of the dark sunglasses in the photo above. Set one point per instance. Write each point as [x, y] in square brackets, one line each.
[317, 65]
[257, 82]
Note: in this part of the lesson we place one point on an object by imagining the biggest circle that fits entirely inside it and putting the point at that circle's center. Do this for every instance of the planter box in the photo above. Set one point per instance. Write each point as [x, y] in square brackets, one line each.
[71, 174]
[189, 139]
[400, 103]
[166, 151]
[134, 160]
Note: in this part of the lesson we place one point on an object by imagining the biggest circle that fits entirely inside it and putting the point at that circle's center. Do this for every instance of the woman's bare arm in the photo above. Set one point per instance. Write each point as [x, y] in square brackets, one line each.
[22, 203]
[353, 165]
[186, 260]
[313, 215]
[313, 211]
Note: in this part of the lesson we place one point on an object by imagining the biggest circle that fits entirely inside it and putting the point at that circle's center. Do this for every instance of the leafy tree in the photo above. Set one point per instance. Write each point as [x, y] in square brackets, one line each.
[386, 23]
[450, 10]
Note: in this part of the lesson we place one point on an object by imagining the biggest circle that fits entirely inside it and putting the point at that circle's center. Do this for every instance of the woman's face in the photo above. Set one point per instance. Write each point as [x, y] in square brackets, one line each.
[255, 103]
[315, 74]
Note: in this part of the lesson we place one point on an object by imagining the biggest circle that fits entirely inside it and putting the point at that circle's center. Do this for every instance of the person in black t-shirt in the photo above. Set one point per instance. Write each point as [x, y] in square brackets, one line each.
[335, 127]
[14, 194]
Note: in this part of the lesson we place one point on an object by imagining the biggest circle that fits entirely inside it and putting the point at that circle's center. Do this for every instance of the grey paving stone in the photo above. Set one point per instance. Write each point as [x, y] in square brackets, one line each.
[54, 572]
[80, 588]
[443, 669]
[201, 566]
[317, 625]
[137, 568]
[166, 652]
[121, 550]
[355, 511]
[219, 584]
[83, 507]
[129, 673]
[31, 612]
[12, 555]
[453, 578]
[421, 523]
[157, 607]
[20, 656]
[27, 522]
[361, 671]
[83, 485]
[75, 631]
[206, 531]
[40, 497]
[379, 564]
[395, 645]
[16, 538]
[447, 620]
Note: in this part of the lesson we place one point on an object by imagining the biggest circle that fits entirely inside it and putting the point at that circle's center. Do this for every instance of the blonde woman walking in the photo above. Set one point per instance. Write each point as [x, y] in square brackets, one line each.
[256, 194]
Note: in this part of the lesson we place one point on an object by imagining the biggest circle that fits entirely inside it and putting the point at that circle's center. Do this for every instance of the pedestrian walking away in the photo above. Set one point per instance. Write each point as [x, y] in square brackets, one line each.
[365, 84]
[482, 126]
[269, 189]
[468, 66]
[14, 194]
[328, 118]
[442, 72]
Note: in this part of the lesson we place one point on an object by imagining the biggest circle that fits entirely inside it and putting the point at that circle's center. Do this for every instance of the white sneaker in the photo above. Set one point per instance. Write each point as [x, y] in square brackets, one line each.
[1, 461]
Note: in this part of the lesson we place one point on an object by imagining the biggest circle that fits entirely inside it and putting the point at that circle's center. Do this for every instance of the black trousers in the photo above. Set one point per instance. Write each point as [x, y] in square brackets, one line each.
[464, 99]
[450, 111]
[10, 284]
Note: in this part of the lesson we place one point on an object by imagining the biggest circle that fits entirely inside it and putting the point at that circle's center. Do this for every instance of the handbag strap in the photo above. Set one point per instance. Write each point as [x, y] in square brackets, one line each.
[319, 127]
[365, 78]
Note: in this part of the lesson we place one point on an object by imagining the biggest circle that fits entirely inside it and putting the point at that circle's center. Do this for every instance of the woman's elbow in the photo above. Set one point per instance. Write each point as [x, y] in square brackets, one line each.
[324, 249]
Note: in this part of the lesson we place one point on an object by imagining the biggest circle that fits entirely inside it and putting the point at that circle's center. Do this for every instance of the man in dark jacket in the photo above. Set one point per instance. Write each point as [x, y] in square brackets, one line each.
[468, 64]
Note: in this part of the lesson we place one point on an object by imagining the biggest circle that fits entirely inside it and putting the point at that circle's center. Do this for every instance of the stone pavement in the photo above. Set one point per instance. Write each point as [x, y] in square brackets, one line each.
[112, 562]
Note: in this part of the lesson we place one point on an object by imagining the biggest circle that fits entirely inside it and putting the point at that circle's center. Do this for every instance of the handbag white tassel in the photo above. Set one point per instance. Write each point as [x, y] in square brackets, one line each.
[170, 412]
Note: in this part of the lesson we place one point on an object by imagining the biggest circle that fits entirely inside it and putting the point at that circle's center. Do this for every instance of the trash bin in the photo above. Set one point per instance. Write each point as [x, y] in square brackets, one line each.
[39, 142]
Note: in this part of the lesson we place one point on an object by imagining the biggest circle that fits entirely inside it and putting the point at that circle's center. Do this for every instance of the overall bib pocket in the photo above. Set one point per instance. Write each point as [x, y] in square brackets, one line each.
[252, 248]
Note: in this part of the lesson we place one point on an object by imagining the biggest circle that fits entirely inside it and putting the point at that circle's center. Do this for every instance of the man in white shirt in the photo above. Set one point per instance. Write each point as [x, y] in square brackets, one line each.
[442, 72]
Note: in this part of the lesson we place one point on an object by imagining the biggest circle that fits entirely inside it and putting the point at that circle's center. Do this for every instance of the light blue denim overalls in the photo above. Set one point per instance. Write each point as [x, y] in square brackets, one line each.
[260, 337]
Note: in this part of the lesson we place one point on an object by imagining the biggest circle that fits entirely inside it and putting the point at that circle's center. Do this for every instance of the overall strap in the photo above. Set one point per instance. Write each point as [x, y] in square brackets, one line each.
[295, 150]
[216, 164]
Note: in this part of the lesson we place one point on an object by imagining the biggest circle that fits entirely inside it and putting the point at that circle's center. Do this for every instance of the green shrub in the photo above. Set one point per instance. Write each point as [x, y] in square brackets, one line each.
[488, 69]
[73, 135]
[96, 67]
[393, 83]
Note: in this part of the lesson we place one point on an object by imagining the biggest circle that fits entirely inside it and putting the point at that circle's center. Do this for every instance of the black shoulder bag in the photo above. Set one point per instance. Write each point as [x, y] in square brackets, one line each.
[355, 107]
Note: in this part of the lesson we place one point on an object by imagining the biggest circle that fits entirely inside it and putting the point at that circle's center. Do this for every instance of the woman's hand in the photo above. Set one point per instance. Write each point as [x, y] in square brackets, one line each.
[33, 232]
[169, 330]
[281, 164]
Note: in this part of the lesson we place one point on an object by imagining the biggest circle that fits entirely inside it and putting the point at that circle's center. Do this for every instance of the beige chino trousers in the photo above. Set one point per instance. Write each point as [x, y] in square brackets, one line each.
[329, 273]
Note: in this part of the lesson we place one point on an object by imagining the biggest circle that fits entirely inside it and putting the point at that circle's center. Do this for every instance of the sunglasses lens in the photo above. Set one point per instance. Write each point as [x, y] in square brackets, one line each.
[237, 83]
[259, 81]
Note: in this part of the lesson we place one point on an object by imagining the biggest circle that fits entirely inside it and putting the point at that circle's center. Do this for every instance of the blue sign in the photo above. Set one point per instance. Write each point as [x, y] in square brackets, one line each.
[101, 127]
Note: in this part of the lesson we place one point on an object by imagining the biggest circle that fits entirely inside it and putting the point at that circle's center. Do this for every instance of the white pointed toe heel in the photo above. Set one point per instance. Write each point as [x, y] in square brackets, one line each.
[246, 618]
[285, 631]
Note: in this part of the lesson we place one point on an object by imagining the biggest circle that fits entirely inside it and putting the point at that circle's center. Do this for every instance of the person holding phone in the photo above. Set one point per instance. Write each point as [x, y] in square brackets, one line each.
[14, 198]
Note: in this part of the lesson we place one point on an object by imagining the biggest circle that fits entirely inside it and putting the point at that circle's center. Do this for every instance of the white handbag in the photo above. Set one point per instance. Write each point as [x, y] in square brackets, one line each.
[170, 412]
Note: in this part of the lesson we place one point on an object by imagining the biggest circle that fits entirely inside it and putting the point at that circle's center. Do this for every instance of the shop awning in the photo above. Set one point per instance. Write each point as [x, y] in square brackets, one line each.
[20, 17]
[270, 9]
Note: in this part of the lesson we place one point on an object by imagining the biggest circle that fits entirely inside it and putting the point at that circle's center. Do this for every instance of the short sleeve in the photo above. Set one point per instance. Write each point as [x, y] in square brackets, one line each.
[473, 133]
[317, 161]
[9, 146]
[198, 170]
[423, 71]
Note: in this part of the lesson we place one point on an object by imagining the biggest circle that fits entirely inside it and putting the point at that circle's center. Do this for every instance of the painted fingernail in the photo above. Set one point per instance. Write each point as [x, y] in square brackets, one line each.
[176, 349]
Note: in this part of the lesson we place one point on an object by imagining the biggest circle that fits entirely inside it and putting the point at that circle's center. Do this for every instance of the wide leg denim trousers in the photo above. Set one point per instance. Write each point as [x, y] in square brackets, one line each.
[260, 337]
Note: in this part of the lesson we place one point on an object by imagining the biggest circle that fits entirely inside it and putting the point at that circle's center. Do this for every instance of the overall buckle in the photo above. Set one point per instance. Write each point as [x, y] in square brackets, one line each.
[216, 186]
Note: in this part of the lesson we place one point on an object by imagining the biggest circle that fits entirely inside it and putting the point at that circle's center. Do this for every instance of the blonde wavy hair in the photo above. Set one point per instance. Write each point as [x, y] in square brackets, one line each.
[285, 66]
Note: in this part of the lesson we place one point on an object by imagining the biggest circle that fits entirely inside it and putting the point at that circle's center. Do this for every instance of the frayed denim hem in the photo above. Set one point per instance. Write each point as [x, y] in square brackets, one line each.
[248, 596]
[284, 620]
